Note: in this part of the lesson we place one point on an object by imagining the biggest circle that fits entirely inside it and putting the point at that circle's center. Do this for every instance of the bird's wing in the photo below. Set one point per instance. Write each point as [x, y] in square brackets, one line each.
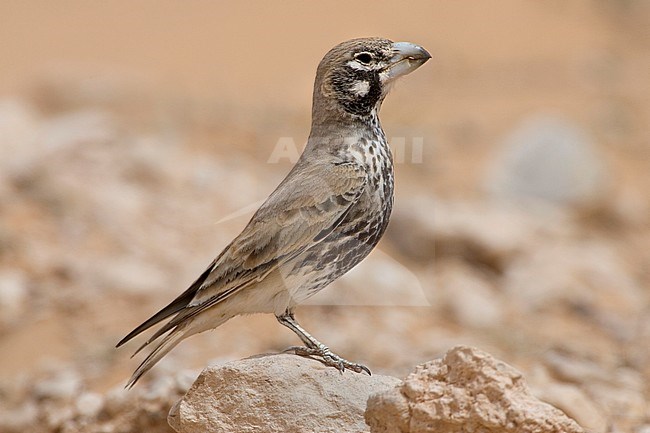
[307, 206]
[304, 209]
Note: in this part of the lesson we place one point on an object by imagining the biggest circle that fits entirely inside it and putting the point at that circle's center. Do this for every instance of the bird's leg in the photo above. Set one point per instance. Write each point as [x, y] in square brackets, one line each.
[314, 347]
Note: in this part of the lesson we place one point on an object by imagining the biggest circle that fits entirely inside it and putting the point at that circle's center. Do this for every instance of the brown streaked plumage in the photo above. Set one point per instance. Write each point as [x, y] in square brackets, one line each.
[323, 219]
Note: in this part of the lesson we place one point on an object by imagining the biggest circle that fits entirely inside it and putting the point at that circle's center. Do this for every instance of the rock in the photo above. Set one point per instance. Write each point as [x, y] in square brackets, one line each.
[466, 391]
[548, 158]
[62, 385]
[13, 297]
[276, 393]
[89, 404]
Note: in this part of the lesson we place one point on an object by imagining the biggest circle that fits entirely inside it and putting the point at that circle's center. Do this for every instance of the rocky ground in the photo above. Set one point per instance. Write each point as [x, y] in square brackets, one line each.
[464, 392]
[521, 227]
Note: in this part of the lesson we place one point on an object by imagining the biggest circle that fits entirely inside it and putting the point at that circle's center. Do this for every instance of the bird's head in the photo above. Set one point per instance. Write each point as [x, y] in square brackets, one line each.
[354, 77]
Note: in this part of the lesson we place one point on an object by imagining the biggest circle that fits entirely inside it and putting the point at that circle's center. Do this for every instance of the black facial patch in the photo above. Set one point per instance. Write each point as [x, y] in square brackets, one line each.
[343, 80]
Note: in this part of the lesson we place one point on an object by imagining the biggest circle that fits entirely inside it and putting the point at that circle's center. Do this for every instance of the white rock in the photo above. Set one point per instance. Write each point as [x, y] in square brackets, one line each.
[89, 404]
[62, 385]
[276, 393]
[13, 296]
[549, 158]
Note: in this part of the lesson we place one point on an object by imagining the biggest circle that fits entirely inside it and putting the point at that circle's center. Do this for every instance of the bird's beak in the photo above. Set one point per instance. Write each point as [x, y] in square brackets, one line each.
[407, 58]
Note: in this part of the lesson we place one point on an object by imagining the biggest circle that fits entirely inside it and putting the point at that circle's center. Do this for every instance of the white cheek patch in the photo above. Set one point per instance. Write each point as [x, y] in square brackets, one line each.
[360, 88]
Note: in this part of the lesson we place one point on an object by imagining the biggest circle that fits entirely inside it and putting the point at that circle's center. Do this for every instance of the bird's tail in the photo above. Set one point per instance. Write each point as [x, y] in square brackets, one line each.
[162, 348]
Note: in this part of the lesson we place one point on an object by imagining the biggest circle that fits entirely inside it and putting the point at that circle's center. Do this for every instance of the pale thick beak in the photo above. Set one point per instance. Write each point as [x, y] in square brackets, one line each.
[408, 57]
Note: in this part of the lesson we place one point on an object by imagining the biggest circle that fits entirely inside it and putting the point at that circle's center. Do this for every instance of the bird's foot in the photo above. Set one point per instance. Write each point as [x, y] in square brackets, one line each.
[328, 358]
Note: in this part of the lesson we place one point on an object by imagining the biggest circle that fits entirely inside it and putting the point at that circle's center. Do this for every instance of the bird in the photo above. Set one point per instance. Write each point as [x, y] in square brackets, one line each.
[325, 217]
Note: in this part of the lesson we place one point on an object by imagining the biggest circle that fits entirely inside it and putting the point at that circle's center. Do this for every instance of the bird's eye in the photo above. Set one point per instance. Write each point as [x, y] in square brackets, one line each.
[364, 58]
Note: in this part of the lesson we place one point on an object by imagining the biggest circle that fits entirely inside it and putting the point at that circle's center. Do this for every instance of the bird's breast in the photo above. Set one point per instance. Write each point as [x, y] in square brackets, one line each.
[358, 232]
[367, 219]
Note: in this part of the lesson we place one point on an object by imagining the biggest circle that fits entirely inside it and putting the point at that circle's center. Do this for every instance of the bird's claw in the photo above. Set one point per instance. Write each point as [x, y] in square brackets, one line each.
[328, 358]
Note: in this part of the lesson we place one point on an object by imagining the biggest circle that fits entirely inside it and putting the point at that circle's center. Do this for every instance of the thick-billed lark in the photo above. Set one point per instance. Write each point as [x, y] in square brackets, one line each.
[324, 217]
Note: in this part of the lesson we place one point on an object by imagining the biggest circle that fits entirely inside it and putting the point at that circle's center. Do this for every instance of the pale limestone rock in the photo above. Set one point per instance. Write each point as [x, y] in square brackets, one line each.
[466, 391]
[276, 393]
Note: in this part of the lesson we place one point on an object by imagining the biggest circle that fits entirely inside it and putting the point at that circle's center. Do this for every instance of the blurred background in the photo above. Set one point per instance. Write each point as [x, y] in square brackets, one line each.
[137, 138]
